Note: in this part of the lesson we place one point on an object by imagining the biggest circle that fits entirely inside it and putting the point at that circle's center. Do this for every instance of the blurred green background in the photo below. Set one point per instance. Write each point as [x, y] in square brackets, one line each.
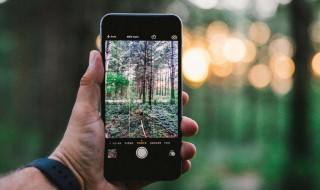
[251, 68]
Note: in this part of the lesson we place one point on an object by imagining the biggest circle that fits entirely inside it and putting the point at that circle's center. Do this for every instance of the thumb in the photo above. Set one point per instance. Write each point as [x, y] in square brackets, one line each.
[88, 97]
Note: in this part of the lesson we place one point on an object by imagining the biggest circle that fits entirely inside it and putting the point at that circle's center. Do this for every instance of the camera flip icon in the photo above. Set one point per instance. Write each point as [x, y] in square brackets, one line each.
[174, 37]
[172, 153]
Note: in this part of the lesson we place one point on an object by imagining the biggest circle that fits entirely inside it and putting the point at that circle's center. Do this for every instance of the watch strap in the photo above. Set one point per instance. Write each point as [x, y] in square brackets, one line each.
[57, 173]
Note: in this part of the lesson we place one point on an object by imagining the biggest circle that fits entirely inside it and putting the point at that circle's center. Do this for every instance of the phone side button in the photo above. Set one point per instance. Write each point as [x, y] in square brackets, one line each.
[141, 152]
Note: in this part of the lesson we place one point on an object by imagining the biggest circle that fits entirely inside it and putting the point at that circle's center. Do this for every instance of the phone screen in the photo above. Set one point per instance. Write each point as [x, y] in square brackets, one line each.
[142, 96]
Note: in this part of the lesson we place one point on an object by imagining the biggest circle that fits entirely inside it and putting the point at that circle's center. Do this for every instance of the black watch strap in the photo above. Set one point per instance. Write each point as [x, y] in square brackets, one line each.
[57, 173]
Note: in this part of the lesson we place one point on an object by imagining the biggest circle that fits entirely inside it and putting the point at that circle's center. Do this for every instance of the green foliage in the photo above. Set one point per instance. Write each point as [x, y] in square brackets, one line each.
[125, 120]
[115, 82]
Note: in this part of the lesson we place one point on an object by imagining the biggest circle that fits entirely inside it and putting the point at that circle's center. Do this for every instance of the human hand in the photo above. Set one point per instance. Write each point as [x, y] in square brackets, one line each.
[82, 146]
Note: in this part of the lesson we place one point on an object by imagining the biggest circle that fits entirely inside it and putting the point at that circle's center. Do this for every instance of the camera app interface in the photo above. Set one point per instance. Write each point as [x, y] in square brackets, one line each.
[141, 92]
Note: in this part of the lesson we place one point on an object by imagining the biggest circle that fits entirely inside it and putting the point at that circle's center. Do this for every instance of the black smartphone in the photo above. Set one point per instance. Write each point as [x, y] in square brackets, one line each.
[141, 96]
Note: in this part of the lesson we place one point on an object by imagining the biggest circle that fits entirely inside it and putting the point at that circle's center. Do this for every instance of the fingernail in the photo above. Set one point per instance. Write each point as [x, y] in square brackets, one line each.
[91, 59]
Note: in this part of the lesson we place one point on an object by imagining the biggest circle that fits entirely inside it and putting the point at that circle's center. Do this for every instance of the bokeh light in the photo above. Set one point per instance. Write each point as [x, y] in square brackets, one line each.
[259, 33]
[314, 31]
[281, 86]
[216, 28]
[187, 39]
[234, 49]
[281, 45]
[214, 52]
[235, 5]
[264, 9]
[251, 52]
[315, 64]
[216, 49]
[205, 4]
[180, 9]
[284, 2]
[260, 76]
[195, 66]
[282, 66]
[223, 70]
[199, 41]
[216, 35]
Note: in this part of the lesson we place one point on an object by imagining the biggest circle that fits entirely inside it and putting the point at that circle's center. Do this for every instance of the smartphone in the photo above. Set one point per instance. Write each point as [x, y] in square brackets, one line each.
[141, 96]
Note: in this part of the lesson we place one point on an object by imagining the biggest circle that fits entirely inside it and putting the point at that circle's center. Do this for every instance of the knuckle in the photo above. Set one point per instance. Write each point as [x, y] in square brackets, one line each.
[85, 81]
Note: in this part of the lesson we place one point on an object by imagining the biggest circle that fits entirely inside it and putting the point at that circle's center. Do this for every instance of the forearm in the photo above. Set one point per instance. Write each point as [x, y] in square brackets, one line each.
[27, 178]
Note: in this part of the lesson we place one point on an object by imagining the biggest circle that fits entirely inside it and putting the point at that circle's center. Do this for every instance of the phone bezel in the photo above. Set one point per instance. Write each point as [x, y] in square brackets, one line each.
[134, 23]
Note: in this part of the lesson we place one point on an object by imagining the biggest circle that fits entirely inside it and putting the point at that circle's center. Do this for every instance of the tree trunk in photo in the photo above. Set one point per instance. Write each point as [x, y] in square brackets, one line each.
[172, 73]
[151, 77]
[161, 82]
[168, 79]
[157, 83]
[166, 82]
[140, 88]
[144, 73]
[299, 172]
[147, 85]
[107, 63]
[118, 62]
[107, 51]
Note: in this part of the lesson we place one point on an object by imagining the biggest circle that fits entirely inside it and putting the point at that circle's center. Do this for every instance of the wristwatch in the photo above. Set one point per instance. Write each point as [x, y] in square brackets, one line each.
[57, 173]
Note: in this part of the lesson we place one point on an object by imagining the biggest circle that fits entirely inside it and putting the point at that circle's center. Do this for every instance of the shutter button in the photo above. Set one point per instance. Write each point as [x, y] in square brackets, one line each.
[142, 152]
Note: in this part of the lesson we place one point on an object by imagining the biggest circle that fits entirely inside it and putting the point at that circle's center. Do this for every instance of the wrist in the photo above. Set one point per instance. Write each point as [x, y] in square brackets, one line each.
[63, 160]
[34, 173]
[28, 179]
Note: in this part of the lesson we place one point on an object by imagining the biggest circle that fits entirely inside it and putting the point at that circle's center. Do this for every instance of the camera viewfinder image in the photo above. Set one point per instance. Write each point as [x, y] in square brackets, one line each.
[112, 153]
[141, 92]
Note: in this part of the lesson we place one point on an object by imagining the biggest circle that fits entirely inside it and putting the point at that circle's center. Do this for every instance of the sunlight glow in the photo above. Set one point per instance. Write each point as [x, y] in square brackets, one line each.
[260, 76]
[215, 52]
[234, 49]
[195, 66]
[316, 64]
[259, 33]
[2, 1]
[282, 66]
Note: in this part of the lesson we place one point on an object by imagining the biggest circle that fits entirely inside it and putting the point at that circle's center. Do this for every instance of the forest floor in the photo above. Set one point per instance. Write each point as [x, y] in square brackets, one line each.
[139, 121]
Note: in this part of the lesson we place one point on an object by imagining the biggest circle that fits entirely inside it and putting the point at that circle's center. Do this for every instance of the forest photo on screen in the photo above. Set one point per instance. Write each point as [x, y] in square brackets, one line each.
[141, 89]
